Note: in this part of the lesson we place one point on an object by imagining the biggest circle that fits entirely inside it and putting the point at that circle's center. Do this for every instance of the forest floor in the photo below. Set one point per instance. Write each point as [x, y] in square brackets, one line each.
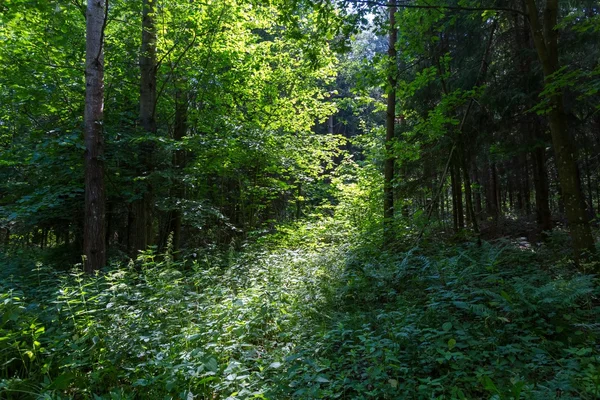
[314, 311]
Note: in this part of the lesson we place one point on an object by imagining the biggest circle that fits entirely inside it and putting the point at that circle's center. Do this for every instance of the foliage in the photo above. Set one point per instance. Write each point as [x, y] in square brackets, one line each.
[337, 320]
[281, 286]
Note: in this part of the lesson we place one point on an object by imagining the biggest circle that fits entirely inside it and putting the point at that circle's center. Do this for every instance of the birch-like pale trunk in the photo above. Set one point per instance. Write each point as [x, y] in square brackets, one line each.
[94, 245]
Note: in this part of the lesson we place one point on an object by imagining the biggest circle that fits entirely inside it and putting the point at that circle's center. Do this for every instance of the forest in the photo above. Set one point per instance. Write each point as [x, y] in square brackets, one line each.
[299, 199]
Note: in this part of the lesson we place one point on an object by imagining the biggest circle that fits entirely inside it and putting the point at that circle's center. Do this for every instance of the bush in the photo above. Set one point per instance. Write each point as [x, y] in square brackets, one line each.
[335, 320]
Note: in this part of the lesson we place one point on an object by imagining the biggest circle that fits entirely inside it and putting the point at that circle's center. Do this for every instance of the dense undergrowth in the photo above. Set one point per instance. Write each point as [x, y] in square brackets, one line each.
[310, 313]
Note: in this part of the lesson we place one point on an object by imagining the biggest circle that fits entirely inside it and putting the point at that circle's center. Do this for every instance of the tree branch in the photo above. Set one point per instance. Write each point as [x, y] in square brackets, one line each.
[102, 32]
[439, 8]
[188, 47]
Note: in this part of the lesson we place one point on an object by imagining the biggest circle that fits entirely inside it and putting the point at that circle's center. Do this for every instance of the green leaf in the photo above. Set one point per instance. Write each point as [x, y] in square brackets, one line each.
[489, 385]
[212, 365]
[451, 343]
[62, 381]
[506, 296]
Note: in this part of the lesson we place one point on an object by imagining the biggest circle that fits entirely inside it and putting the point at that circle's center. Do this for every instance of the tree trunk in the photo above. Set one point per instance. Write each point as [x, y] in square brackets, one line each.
[598, 195]
[457, 206]
[588, 176]
[443, 207]
[540, 182]
[178, 192]
[527, 187]
[458, 192]
[142, 232]
[471, 217]
[388, 189]
[494, 195]
[487, 188]
[94, 247]
[509, 191]
[546, 43]
[478, 208]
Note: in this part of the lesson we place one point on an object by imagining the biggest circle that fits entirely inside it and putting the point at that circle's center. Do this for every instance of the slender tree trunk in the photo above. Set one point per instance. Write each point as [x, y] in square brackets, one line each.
[436, 201]
[500, 194]
[453, 195]
[388, 189]
[443, 208]
[598, 195]
[459, 218]
[44, 238]
[527, 187]
[129, 229]
[588, 176]
[509, 190]
[179, 161]
[429, 176]
[142, 231]
[494, 193]
[457, 205]
[540, 182]
[546, 42]
[478, 207]
[94, 247]
[518, 186]
[487, 188]
[471, 218]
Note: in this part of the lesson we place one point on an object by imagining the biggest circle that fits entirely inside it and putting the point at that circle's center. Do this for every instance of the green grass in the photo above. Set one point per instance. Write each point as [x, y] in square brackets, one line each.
[307, 315]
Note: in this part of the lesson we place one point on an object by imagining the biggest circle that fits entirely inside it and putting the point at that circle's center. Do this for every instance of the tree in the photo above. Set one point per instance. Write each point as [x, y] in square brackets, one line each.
[388, 183]
[94, 245]
[140, 231]
[545, 37]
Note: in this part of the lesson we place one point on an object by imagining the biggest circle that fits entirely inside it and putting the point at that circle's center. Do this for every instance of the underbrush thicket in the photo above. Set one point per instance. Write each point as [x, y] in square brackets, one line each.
[318, 315]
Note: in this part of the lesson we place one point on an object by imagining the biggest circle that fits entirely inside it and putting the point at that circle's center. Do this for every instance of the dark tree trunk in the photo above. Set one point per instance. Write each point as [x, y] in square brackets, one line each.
[598, 195]
[546, 43]
[443, 206]
[527, 186]
[494, 194]
[43, 238]
[457, 205]
[179, 161]
[94, 247]
[509, 190]
[388, 189]
[142, 230]
[459, 196]
[478, 208]
[540, 182]
[471, 218]
[129, 229]
[487, 189]
[588, 176]
[454, 200]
